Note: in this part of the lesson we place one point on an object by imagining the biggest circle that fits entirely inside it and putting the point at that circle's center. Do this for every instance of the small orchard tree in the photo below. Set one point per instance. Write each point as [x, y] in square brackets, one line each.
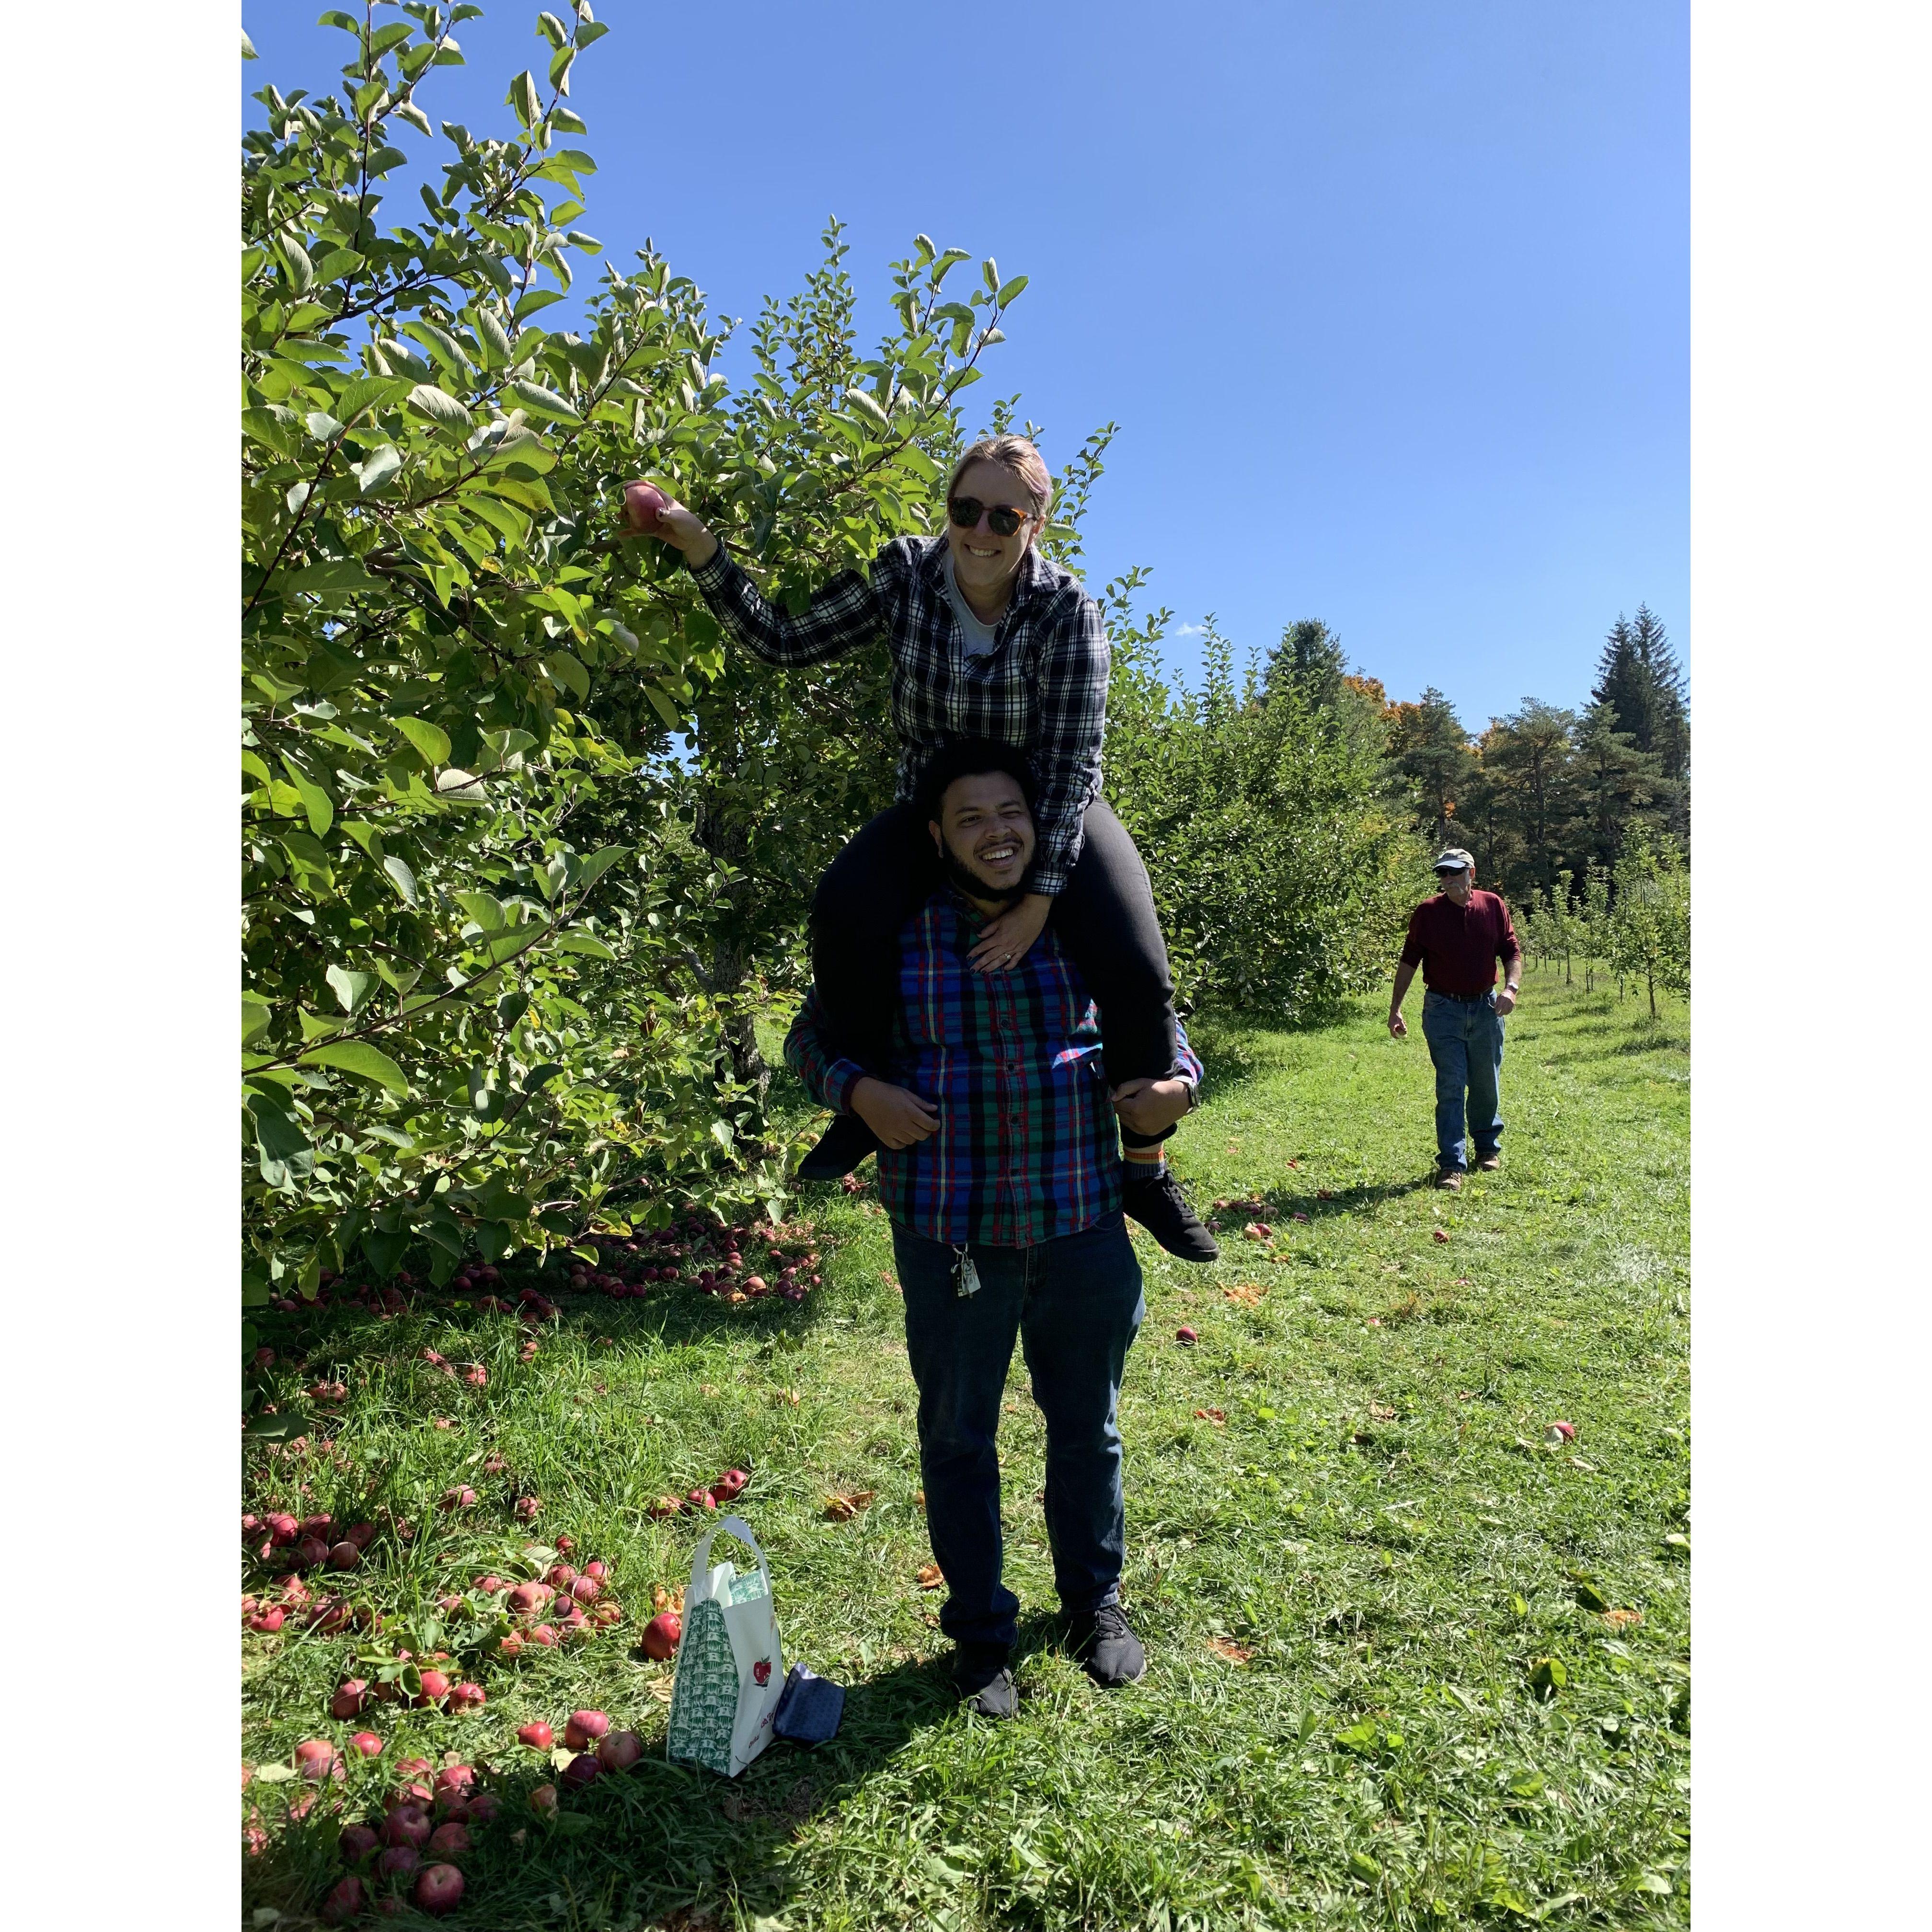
[1650, 913]
[482, 911]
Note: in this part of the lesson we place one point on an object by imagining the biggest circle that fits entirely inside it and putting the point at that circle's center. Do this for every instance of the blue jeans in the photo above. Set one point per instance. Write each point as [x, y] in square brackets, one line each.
[1465, 1041]
[1074, 1303]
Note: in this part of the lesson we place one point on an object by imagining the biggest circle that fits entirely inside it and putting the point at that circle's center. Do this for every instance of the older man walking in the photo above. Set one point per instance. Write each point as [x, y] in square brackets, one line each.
[1456, 938]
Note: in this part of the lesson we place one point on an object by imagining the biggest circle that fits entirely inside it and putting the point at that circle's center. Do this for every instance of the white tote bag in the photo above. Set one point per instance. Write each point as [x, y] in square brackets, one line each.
[731, 1673]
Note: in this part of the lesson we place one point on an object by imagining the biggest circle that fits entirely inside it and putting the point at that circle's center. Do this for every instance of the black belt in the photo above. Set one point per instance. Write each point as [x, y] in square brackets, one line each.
[1461, 999]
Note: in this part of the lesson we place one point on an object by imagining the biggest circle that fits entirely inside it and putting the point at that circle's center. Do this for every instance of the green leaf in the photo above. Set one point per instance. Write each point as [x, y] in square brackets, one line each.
[564, 669]
[359, 1058]
[599, 863]
[315, 801]
[282, 1427]
[1364, 1867]
[541, 1076]
[255, 1017]
[592, 947]
[377, 467]
[545, 403]
[429, 741]
[1008, 290]
[487, 910]
[402, 878]
[553, 30]
[537, 298]
[439, 406]
[351, 988]
[523, 96]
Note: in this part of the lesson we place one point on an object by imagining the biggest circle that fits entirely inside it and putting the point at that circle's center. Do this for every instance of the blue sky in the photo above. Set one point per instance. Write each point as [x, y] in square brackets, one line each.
[1390, 301]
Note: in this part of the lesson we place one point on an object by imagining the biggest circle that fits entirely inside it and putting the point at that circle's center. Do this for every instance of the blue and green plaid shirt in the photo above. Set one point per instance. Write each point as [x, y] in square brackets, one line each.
[1042, 688]
[1027, 1148]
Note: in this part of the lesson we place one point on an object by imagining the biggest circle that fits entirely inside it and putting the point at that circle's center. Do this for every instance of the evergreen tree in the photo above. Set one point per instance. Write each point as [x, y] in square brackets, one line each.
[1613, 782]
[1430, 760]
[1663, 680]
[1529, 757]
[1308, 660]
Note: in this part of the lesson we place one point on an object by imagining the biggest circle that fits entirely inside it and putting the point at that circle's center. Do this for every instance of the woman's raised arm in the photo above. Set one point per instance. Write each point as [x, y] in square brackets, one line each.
[844, 614]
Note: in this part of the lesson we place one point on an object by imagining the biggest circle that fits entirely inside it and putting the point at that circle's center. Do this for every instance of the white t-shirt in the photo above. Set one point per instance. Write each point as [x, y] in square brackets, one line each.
[979, 637]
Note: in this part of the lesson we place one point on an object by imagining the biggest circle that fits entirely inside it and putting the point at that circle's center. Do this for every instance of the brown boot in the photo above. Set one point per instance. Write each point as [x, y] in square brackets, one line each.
[1449, 1177]
[1489, 1163]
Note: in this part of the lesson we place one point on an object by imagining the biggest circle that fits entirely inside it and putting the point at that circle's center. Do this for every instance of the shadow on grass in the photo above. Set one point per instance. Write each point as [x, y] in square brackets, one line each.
[1279, 1204]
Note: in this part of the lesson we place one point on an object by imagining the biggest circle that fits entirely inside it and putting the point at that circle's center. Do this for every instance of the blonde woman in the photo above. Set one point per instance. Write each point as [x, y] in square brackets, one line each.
[989, 641]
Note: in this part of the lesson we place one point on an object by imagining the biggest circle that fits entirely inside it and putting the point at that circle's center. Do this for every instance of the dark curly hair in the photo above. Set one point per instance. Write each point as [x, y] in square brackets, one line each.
[971, 758]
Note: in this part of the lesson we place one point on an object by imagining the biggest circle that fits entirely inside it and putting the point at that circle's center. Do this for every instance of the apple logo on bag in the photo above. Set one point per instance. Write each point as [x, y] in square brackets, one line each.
[761, 1671]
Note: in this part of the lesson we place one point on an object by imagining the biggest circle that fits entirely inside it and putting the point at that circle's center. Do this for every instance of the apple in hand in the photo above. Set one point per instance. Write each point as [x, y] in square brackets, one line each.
[644, 506]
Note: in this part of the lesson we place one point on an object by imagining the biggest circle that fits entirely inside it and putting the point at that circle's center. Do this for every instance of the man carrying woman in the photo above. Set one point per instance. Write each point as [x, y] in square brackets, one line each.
[989, 641]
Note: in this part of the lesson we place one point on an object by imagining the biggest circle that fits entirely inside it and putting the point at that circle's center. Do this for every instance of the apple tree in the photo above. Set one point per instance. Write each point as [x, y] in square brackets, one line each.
[479, 890]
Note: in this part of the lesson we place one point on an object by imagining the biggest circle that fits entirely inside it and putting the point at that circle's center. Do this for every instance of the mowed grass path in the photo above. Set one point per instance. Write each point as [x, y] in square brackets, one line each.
[1351, 1553]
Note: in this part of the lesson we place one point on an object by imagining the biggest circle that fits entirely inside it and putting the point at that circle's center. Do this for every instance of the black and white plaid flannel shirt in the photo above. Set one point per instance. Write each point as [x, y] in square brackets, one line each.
[1042, 689]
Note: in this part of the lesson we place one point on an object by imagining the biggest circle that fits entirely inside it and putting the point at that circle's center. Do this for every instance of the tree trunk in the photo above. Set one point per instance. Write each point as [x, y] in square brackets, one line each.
[1650, 980]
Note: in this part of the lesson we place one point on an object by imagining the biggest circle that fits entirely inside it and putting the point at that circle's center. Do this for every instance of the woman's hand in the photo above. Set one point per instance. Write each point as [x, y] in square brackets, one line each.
[683, 530]
[1146, 1106]
[1005, 941]
[897, 1115]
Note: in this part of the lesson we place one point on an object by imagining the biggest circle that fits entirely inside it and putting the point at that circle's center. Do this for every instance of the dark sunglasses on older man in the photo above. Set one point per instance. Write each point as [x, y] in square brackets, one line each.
[966, 511]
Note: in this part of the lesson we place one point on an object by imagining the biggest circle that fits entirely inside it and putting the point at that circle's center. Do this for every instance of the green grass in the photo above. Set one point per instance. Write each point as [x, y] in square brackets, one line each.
[1378, 1525]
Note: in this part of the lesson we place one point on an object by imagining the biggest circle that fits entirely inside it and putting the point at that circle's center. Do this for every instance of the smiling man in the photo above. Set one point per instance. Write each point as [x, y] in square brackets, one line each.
[1002, 1175]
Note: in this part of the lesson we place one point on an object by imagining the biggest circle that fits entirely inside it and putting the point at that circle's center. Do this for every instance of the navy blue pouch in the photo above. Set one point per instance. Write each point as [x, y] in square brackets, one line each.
[809, 1709]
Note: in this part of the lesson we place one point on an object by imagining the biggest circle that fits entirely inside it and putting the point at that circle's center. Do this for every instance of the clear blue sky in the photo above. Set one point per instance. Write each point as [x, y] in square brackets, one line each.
[1390, 301]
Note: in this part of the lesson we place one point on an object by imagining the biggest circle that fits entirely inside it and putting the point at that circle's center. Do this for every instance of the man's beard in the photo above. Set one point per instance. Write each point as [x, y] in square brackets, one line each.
[961, 876]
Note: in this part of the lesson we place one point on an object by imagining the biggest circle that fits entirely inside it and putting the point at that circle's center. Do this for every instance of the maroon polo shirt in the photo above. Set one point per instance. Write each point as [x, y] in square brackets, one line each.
[1457, 946]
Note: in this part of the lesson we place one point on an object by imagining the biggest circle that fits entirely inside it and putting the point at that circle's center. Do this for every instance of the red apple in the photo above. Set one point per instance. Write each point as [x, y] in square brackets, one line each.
[439, 1889]
[367, 1743]
[449, 1841]
[583, 1769]
[407, 1825]
[344, 1555]
[537, 1736]
[485, 1808]
[316, 1758]
[357, 1842]
[620, 1750]
[399, 1860]
[544, 1798]
[345, 1899]
[435, 1687]
[661, 1634]
[350, 1696]
[644, 506]
[582, 1729]
[1186, 1335]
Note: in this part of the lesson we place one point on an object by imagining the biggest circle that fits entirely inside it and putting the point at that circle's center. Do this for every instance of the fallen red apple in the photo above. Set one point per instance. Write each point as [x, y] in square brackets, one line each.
[435, 1687]
[620, 1750]
[367, 1743]
[544, 1798]
[560, 1575]
[357, 1842]
[267, 1621]
[1561, 1432]
[311, 1551]
[566, 1543]
[1186, 1335]
[527, 1598]
[449, 1841]
[583, 1769]
[283, 1528]
[600, 1572]
[362, 1535]
[350, 1697]
[661, 1634]
[586, 1589]
[399, 1860]
[316, 1758]
[439, 1889]
[537, 1736]
[730, 1484]
[345, 1555]
[465, 1697]
[542, 1636]
[582, 1729]
[345, 1901]
[485, 1808]
[407, 1825]
[454, 1779]
[701, 1499]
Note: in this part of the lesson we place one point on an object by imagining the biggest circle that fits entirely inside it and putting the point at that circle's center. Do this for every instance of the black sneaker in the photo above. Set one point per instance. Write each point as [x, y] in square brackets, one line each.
[841, 1148]
[979, 1670]
[1158, 1204]
[1103, 1641]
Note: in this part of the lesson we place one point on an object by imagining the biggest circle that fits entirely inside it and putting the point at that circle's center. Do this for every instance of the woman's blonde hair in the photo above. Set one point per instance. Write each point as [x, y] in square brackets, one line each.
[1015, 453]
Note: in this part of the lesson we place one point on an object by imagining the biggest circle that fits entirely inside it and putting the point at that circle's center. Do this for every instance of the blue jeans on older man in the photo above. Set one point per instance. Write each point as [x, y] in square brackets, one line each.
[1465, 1041]
[1074, 1303]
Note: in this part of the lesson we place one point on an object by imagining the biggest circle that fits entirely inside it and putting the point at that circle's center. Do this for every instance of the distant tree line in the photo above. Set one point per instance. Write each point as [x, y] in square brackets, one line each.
[1548, 791]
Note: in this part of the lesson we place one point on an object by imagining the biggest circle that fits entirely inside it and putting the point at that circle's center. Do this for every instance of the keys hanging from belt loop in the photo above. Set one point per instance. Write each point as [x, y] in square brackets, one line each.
[965, 1276]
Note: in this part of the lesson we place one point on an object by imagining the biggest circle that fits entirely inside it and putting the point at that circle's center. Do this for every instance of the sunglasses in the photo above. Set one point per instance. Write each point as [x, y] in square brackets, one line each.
[966, 512]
